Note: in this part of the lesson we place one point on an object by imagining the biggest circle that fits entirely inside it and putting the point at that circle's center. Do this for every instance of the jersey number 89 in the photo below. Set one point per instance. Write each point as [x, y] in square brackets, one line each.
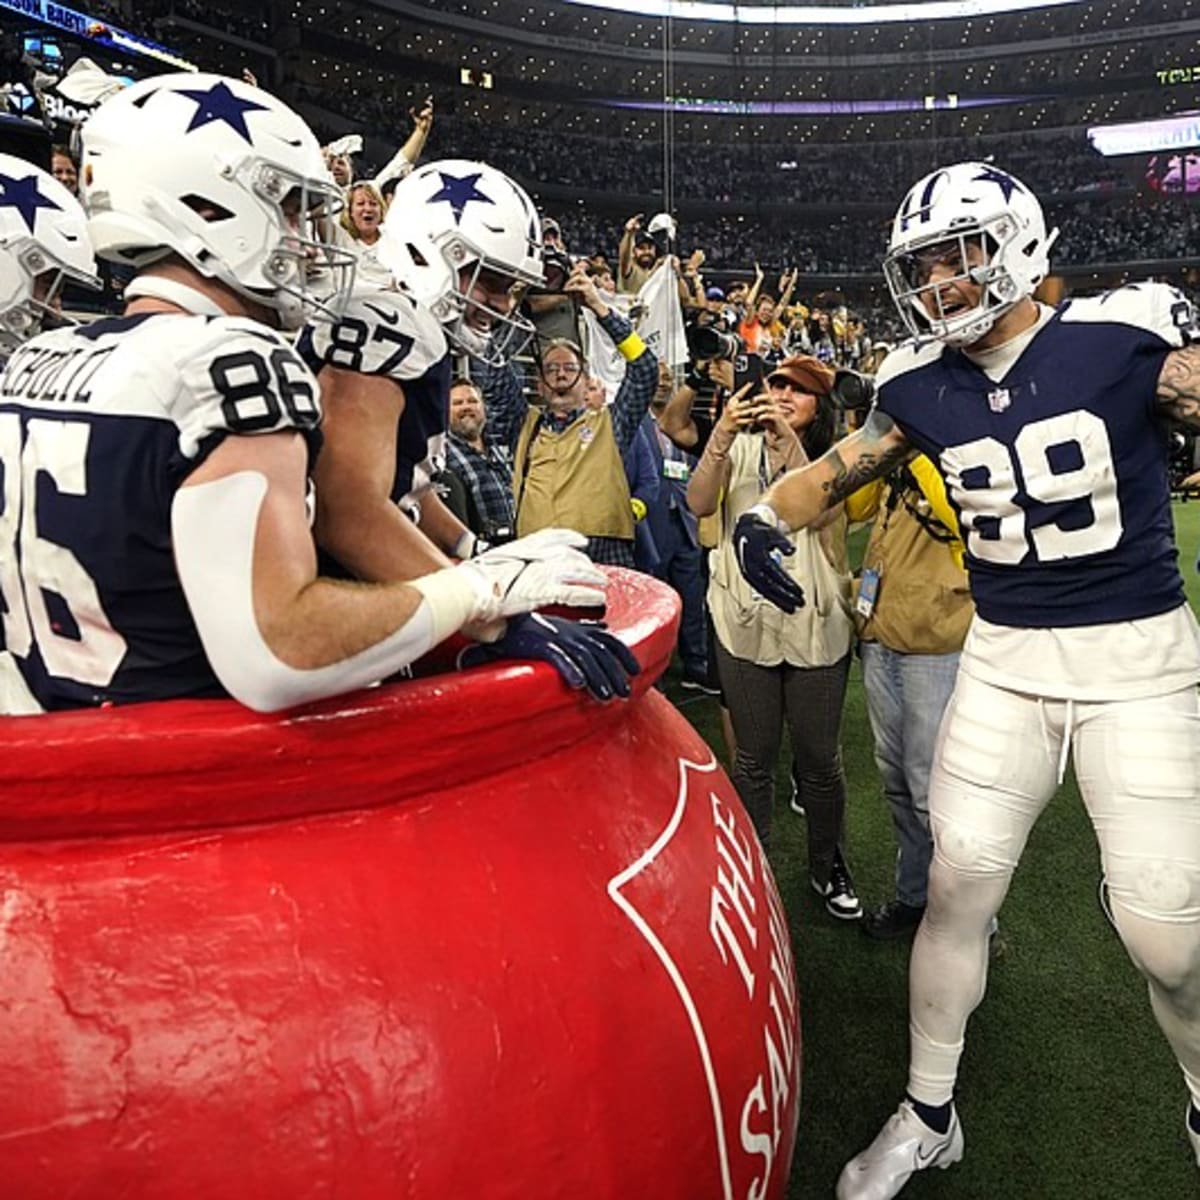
[997, 528]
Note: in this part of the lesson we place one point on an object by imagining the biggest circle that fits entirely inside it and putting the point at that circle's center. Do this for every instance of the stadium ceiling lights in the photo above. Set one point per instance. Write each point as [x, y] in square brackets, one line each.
[819, 14]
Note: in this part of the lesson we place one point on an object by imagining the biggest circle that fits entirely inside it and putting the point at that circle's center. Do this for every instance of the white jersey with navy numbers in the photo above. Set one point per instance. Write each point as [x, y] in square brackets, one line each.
[388, 333]
[99, 426]
[1058, 467]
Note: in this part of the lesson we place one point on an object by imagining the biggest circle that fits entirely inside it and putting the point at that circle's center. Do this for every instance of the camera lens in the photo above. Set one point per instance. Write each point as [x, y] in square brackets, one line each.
[706, 342]
[852, 390]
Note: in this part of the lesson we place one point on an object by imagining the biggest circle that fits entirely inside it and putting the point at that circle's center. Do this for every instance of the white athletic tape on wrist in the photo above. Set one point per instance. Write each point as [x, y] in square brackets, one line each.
[453, 596]
[213, 527]
[766, 513]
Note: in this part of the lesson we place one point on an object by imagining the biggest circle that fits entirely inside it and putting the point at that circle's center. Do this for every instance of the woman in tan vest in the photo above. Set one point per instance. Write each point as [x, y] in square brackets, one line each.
[773, 664]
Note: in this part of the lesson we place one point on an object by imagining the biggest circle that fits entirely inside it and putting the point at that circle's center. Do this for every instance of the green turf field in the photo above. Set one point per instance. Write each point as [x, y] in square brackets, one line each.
[1067, 1089]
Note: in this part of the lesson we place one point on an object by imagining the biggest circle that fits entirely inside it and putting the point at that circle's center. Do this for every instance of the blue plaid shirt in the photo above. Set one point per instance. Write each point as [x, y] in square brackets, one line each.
[488, 479]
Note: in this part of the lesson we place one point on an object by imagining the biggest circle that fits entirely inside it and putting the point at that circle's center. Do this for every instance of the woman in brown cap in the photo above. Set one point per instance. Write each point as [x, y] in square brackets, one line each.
[773, 664]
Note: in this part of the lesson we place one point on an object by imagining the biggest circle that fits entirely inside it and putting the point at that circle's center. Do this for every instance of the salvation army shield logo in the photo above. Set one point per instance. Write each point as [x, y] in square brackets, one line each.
[730, 963]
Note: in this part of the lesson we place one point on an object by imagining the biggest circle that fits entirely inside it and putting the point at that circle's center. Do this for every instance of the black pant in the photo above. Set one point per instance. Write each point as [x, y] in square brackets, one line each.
[812, 698]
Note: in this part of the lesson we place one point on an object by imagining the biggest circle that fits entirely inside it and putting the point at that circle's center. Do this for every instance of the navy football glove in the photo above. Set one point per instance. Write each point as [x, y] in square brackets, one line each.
[759, 545]
[584, 653]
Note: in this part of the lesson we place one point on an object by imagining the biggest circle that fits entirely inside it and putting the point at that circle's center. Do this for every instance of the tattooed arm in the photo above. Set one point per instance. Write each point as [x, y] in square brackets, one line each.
[801, 496]
[1179, 387]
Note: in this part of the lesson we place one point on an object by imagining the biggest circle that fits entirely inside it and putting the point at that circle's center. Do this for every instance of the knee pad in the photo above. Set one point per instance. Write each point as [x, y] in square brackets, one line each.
[968, 849]
[1160, 921]
[1161, 888]
[959, 846]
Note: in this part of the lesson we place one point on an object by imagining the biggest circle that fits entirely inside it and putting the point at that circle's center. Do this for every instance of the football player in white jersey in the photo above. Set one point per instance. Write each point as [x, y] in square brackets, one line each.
[1050, 428]
[155, 465]
[460, 236]
[43, 245]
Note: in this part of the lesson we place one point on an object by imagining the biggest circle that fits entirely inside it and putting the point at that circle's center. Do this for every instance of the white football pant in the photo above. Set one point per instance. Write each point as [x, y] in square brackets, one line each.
[998, 762]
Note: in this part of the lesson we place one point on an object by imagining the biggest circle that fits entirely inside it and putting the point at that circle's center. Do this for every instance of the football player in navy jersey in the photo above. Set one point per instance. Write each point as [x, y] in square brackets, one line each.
[1050, 428]
[43, 244]
[461, 236]
[154, 538]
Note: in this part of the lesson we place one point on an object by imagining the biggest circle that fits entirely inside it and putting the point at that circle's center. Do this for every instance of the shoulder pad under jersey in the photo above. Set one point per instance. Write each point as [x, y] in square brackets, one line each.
[1157, 308]
[908, 356]
[380, 333]
[237, 376]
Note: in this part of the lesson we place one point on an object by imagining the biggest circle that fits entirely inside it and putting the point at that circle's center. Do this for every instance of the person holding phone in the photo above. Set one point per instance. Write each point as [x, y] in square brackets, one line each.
[774, 665]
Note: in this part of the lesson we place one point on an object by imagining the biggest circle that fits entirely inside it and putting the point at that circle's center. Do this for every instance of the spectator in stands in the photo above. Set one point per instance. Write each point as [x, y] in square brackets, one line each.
[692, 293]
[743, 296]
[341, 167]
[358, 231]
[63, 168]
[338, 162]
[552, 237]
[796, 339]
[754, 330]
[603, 276]
[637, 256]
[567, 457]
[773, 665]
[481, 466]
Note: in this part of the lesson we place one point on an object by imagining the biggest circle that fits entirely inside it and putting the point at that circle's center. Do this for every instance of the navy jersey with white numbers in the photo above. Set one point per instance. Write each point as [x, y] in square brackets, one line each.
[387, 333]
[1058, 470]
[99, 426]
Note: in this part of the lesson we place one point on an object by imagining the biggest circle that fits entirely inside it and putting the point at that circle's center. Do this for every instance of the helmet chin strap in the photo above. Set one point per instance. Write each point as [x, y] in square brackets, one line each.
[182, 295]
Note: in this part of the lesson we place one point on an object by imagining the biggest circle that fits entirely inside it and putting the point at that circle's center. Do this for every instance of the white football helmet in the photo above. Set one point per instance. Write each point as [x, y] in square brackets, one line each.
[970, 204]
[455, 232]
[227, 177]
[43, 243]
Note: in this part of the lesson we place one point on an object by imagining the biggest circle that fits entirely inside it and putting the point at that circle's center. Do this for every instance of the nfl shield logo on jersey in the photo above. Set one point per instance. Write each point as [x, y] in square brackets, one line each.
[999, 400]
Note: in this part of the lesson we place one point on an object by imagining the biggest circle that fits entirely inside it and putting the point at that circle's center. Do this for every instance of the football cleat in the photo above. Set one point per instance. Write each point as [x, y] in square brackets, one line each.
[904, 1145]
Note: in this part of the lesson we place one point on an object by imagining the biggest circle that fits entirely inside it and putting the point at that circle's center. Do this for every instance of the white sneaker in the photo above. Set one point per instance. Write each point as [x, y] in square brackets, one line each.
[904, 1145]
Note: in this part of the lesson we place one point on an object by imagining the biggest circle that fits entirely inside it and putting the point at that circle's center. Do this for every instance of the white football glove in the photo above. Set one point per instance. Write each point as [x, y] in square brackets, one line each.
[545, 568]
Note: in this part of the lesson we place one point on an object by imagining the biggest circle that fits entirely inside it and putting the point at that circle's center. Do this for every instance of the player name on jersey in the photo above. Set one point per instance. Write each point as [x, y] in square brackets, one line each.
[50, 375]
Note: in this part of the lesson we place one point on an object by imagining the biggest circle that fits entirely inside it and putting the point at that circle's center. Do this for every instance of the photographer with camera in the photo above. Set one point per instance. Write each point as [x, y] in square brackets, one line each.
[718, 366]
[773, 665]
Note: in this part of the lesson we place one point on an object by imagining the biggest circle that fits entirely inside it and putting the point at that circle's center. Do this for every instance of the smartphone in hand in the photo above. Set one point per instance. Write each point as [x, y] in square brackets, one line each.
[749, 368]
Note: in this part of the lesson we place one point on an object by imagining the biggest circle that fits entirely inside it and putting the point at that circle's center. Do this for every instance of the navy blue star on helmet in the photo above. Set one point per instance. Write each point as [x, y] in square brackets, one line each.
[459, 192]
[218, 103]
[1006, 183]
[25, 197]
